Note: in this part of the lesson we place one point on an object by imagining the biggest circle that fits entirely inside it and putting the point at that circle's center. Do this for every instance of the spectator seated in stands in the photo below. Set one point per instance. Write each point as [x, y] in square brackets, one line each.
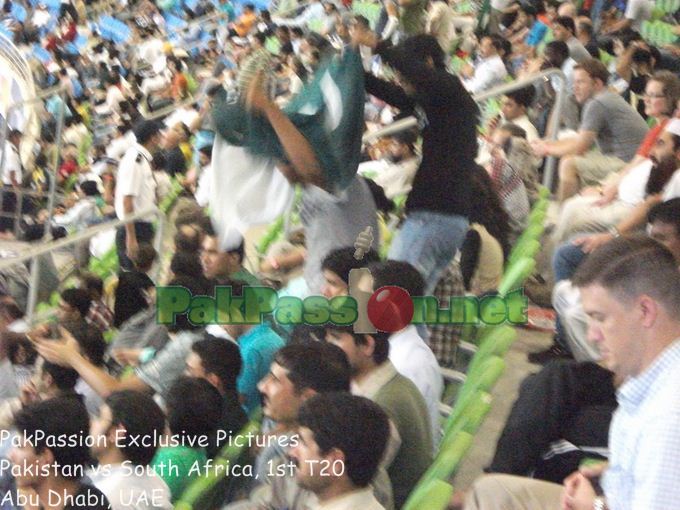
[99, 314]
[607, 119]
[340, 428]
[194, 408]
[600, 208]
[45, 422]
[560, 418]
[125, 417]
[511, 171]
[489, 70]
[395, 170]
[219, 362]
[630, 290]
[375, 377]
[336, 269]
[408, 351]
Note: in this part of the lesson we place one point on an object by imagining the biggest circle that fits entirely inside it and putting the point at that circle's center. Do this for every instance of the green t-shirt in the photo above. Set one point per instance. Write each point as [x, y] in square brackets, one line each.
[178, 466]
[246, 277]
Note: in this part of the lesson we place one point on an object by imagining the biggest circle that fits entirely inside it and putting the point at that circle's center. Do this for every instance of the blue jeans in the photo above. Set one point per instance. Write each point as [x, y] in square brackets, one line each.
[428, 241]
[565, 262]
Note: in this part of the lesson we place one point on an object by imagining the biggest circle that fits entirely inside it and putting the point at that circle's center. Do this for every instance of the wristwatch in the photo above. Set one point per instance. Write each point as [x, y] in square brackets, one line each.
[600, 504]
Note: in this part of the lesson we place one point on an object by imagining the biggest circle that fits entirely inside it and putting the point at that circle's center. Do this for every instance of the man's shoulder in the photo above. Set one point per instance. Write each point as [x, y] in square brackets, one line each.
[263, 336]
[400, 391]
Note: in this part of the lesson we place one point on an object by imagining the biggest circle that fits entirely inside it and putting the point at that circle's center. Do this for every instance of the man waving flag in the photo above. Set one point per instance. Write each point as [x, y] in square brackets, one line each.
[260, 151]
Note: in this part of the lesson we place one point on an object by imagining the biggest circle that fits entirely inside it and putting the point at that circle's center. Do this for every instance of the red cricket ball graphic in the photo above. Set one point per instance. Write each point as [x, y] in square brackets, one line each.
[390, 309]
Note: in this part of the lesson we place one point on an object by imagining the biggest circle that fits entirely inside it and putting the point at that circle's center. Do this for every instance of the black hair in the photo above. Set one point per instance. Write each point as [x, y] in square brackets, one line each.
[220, 357]
[194, 407]
[524, 96]
[567, 23]
[421, 47]
[207, 150]
[341, 261]
[354, 425]
[381, 342]
[261, 37]
[89, 188]
[559, 49]
[487, 209]
[146, 254]
[141, 417]
[159, 161]
[666, 212]
[186, 263]
[196, 287]
[320, 366]
[92, 283]
[398, 273]
[59, 417]
[188, 242]
[64, 378]
[78, 299]
[90, 340]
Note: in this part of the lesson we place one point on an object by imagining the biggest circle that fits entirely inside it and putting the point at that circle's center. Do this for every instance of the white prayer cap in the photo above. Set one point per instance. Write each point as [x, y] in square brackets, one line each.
[673, 127]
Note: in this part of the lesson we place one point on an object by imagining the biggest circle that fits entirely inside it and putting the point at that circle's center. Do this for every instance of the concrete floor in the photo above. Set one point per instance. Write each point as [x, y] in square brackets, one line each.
[504, 395]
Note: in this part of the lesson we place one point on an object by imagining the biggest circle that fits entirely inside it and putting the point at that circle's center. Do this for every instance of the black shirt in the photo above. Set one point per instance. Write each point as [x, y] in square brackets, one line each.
[233, 419]
[175, 161]
[449, 117]
[88, 497]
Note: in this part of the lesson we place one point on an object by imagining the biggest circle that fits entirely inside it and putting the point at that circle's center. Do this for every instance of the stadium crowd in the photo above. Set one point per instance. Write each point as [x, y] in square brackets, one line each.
[182, 105]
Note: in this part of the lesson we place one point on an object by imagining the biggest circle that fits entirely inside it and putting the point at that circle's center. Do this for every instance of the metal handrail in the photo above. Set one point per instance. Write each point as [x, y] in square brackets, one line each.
[34, 254]
[553, 124]
[61, 92]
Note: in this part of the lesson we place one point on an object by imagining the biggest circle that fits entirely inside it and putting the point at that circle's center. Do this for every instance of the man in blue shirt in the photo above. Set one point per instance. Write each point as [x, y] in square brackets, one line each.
[630, 290]
[258, 345]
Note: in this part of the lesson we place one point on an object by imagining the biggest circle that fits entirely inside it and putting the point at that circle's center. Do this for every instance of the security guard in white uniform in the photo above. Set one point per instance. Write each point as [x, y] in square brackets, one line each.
[136, 191]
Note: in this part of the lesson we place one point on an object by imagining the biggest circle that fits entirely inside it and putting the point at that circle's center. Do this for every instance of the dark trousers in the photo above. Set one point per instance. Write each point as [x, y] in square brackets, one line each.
[565, 401]
[9, 205]
[64, 8]
[144, 232]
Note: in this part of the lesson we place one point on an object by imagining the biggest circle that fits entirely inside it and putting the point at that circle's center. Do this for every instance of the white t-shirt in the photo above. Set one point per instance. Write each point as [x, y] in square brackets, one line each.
[527, 126]
[500, 5]
[413, 359]
[632, 186]
[12, 164]
[119, 146]
[672, 188]
[128, 487]
[488, 73]
[638, 11]
[135, 179]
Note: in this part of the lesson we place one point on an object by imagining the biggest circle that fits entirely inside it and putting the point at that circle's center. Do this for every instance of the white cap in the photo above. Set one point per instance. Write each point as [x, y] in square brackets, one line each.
[673, 126]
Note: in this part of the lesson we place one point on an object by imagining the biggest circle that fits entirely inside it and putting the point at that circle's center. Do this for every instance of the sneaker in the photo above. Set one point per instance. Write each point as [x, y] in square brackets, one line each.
[549, 354]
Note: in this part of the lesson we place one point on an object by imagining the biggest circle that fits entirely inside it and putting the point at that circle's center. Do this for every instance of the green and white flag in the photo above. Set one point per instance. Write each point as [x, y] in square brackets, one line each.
[246, 188]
